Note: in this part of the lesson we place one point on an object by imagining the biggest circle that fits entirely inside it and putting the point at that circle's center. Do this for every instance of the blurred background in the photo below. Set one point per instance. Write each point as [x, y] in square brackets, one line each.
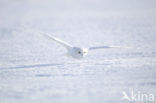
[34, 69]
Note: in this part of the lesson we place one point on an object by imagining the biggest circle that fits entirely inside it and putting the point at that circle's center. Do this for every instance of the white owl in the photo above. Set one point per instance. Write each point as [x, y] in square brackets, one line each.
[76, 52]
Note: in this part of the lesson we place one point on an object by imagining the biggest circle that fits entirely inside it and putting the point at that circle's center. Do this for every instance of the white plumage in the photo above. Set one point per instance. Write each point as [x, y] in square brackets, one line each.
[76, 52]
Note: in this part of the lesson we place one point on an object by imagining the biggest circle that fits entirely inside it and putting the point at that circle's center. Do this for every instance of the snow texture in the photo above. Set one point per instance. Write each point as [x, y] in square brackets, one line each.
[36, 70]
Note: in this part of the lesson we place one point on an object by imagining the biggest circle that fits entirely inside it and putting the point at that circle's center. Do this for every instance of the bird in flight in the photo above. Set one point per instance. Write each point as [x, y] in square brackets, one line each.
[75, 52]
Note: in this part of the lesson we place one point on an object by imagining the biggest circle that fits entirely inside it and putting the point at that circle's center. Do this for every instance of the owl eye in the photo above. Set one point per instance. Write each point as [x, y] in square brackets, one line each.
[79, 52]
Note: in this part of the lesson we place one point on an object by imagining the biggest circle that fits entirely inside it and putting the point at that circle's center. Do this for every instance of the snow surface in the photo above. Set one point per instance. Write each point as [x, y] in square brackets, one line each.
[36, 70]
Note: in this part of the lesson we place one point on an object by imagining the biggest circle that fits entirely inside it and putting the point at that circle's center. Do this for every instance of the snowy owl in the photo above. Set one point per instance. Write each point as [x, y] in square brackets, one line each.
[75, 52]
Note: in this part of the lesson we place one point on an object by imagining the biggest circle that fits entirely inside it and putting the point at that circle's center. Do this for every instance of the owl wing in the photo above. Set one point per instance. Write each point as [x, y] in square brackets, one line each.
[106, 47]
[63, 43]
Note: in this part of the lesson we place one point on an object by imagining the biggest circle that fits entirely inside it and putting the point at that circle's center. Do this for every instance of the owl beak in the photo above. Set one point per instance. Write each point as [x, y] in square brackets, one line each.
[82, 54]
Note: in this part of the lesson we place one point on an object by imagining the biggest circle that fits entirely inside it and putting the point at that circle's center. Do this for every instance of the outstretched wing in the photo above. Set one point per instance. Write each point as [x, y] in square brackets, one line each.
[63, 43]
[105, 47]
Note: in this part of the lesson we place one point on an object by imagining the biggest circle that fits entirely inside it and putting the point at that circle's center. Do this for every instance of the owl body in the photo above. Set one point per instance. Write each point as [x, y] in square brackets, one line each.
[77, 52]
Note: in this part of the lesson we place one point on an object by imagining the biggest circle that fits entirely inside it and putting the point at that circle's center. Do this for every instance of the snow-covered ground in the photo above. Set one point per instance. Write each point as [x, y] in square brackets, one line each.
[36, 70]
